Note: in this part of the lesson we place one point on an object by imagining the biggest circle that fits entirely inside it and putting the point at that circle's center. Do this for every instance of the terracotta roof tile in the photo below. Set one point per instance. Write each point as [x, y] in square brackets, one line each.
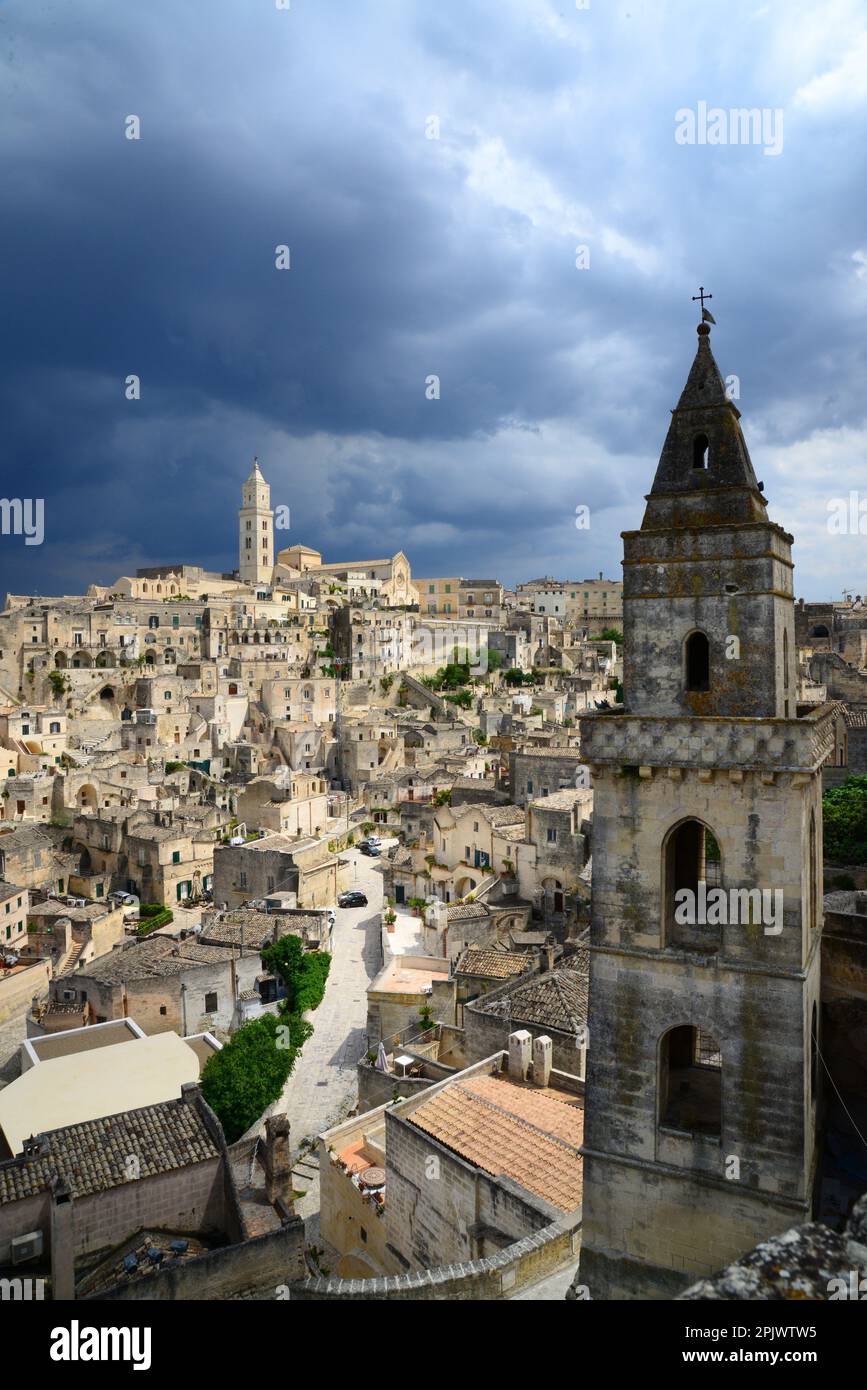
[495, 965]
[557, 1000]
[524, 1132]
[94, 1156]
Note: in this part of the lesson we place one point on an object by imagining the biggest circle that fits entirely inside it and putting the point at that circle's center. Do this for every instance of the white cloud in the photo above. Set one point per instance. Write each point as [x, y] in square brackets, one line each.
[845, 84]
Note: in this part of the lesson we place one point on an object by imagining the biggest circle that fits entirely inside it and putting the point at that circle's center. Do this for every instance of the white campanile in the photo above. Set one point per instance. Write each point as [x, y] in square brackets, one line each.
[256, 530]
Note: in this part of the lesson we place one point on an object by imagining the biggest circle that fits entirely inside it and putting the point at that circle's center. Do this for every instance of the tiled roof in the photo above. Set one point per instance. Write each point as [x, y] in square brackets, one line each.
[528, 1133]
[496, 965]
[226, 928]
[563, 800]
[465, 912]
[557, 1000]
[94, 1156]
[155, 956]
[496, 815]
[856, 717]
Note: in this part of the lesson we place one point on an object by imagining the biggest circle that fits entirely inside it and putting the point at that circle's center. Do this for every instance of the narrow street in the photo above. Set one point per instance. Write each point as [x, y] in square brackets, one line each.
[324, 1085]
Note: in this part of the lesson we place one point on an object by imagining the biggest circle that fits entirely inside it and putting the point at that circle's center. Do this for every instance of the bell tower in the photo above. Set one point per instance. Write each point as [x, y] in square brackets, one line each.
[256, 527]
[701, 1094]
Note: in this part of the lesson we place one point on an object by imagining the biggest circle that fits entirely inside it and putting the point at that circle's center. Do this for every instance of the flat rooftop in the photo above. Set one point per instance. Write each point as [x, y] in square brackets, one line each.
[400, 976]
[93, 1084]
[82, 1039]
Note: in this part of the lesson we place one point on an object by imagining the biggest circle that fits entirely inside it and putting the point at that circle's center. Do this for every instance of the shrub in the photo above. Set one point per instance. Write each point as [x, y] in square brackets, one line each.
[248, 1074]
[303, 973]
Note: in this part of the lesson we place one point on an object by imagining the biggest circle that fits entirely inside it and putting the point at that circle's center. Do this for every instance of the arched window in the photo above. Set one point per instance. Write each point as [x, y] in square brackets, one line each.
[700, 451]
[690, 1081]
[786, 659]
[691, 868]
[697, 661]
[820, 630]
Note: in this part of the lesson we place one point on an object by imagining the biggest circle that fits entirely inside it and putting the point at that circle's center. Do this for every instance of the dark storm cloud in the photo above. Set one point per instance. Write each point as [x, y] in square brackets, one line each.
[413, 257]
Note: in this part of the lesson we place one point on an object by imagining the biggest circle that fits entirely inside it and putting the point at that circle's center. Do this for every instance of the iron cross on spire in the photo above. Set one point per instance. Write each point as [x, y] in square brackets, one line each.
[702, 296]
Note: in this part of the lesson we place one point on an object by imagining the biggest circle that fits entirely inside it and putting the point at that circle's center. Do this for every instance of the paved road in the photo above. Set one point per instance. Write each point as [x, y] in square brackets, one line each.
[324, 1085]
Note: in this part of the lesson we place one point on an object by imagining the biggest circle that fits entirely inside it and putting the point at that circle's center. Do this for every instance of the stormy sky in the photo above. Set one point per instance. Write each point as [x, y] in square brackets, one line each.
[310, 127]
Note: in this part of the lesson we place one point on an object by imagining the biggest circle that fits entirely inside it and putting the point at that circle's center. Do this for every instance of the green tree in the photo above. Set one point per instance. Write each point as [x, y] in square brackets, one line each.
[303, 973]
[844, 811]
[242, 1079]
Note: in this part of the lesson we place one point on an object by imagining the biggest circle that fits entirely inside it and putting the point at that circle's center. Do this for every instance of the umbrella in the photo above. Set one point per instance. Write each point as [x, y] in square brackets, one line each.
[381, 1058]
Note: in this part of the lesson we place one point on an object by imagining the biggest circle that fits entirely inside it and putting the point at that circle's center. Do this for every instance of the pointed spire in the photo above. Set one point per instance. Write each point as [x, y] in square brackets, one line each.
[255, 472]
[704, 385]
[705, 476]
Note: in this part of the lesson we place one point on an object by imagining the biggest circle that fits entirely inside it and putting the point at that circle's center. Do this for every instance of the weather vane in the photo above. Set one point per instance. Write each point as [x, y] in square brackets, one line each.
[706, 315]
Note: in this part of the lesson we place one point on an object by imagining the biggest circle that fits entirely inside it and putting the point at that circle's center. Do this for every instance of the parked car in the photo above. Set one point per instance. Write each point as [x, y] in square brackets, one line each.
[374, 840]
[371, 850]
[352, 899]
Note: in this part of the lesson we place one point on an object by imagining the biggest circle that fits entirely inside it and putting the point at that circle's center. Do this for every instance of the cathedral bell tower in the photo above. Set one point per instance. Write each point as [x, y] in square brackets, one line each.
[701, 1096]
[256, 527]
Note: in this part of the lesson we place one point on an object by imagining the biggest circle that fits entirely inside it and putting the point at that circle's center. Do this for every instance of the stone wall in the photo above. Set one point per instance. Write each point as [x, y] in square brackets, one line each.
[652, 1233]
[556, 771]
[18, 988]
[499, 1276]
[272, 1261]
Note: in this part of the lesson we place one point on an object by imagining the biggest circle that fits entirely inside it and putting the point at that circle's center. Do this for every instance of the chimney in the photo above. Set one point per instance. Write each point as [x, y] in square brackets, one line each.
[519, 1054]
[62, 1243]
[546, 959]
[277, 1161]
[543, 1051]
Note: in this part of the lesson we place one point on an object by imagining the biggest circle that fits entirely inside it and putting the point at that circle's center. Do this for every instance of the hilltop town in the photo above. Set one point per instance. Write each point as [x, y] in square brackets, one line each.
[339, 955]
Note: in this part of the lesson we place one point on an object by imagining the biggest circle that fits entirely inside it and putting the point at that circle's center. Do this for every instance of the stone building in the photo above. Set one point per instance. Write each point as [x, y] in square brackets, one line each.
[702, 1074]
[166, 985]
[552, 1004]
[150, 1203]
[463, 1171]
[304, 867]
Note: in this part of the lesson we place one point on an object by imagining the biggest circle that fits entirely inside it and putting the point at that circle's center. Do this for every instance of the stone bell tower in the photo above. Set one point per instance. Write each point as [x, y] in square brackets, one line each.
[256, 530]
[702, 1073]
